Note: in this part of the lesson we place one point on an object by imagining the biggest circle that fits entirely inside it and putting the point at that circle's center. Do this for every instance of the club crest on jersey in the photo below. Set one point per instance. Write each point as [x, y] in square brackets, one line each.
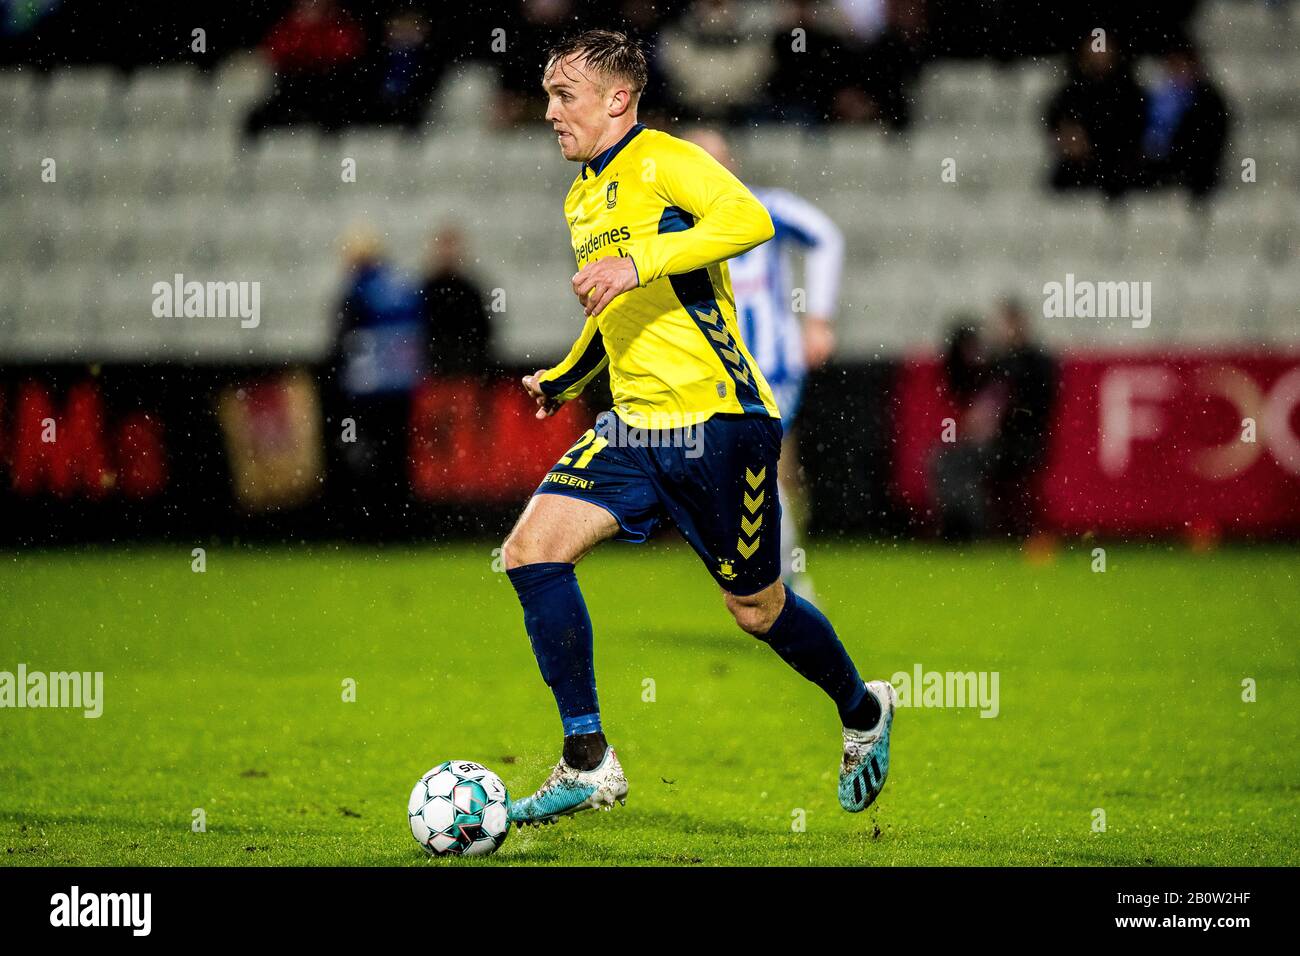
[611, 195]
[726, 571]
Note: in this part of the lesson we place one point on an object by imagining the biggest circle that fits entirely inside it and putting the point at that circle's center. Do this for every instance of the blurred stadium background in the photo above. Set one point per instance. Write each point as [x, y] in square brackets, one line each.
[217, 143]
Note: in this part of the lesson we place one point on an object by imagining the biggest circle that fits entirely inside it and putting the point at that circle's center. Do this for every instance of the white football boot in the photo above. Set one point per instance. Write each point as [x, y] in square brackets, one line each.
[866, 754]
[568, 790]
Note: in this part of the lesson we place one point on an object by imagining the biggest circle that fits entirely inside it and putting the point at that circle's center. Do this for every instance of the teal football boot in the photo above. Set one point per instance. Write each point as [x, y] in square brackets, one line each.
[866, 754]
[568, 790]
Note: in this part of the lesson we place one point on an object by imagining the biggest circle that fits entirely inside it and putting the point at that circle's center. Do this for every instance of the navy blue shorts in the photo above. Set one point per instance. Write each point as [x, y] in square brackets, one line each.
[715, 482]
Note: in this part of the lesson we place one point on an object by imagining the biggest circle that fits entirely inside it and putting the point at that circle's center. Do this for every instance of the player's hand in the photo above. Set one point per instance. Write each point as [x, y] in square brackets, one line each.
[546, 406]
[818, 340]
[598, 283]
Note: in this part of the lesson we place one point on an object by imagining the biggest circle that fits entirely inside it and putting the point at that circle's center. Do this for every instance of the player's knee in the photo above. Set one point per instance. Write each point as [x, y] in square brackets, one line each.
[755, 614]
[515, 552]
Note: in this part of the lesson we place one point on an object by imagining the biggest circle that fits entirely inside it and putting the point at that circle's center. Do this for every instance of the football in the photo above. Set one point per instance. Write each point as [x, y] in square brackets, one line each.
[459, 809]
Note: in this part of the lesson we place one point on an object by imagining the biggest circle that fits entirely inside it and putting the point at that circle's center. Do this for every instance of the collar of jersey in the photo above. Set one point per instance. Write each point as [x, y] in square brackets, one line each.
[597, 165]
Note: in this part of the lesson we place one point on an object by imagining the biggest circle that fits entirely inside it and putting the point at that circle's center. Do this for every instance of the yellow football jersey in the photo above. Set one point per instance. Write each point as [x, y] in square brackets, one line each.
[673, 347]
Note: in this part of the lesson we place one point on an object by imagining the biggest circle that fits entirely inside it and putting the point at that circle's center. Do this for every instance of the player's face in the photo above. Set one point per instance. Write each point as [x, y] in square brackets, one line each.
[575, 108]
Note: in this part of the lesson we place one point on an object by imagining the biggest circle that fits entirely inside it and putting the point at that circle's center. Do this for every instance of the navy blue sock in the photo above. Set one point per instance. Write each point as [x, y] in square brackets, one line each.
[559, 630]
[805, 640]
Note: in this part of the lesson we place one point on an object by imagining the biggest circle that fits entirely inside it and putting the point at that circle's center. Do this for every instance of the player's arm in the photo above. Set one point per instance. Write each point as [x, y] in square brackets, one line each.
[724, 220]
[554, 386]
[728, 219]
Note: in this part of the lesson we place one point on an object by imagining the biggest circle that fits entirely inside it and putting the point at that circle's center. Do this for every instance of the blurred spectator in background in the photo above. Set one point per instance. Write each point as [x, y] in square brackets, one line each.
[865, 20]
[455, 314]
[540, 25]
[960, 466]
[315, 50]
[378, 360]
[860, 70]
[1096, 122]
[877, 78]
[805, 77]
[406, 68]
[1029, 375]
[716, 63]
[1186, 126]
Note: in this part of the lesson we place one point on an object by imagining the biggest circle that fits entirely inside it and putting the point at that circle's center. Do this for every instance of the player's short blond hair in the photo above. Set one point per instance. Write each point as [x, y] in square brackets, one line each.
[614, 56]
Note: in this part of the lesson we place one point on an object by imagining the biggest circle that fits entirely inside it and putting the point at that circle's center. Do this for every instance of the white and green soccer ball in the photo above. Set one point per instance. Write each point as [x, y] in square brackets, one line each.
[459, 809]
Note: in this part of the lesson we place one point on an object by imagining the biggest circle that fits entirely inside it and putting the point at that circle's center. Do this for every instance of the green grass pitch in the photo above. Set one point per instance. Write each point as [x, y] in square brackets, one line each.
[224, 691]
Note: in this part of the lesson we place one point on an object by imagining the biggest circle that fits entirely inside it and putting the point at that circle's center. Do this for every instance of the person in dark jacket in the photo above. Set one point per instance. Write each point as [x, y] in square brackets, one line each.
[378, 361]
[958, 469]
[405, 70]
[1186, 126]
[455, 314]
[316, 50]
[1029, 376]
[1096, 121]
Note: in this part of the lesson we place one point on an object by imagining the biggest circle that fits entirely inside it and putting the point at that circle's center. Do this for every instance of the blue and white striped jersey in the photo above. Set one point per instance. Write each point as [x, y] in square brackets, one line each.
[761, 280]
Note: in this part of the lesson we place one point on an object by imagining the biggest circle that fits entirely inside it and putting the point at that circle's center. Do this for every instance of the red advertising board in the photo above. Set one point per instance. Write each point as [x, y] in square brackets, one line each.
[481, 441]
[1160, 442]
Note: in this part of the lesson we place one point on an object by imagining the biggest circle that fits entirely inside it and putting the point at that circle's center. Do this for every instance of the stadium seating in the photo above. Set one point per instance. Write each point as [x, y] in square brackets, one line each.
[153, 178]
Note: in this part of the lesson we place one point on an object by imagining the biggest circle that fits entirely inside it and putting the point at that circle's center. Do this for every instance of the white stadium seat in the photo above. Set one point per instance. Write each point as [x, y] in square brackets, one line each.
[163, 99]
[82, 96]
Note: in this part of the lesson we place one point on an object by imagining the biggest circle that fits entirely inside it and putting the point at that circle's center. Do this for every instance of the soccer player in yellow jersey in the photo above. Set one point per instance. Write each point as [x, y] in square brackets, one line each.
[694, 436]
